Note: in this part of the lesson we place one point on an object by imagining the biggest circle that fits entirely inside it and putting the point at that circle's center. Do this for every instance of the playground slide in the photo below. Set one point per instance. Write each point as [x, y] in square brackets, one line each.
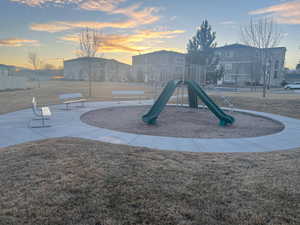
[160, 103]
[224, 118]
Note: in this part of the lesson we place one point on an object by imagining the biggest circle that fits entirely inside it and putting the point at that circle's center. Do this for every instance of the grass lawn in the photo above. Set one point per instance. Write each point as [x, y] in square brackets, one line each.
[50, 90]
[78, 182]
[285, 105]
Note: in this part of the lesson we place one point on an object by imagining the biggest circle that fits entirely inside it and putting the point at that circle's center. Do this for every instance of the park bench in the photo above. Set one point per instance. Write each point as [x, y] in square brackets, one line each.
[42, 113]
[72, 98]
[127, 94]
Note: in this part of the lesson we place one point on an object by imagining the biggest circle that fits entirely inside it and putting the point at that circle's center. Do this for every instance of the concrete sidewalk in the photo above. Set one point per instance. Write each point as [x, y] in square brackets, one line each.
[14, 129]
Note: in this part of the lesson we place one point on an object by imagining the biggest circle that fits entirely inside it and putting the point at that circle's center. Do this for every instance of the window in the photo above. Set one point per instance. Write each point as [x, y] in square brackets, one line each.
[276, 65]
[229, 54]
[228, 66]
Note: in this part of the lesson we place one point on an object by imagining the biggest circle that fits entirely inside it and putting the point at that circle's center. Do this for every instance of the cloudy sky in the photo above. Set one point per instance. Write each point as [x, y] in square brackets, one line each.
[129, 27]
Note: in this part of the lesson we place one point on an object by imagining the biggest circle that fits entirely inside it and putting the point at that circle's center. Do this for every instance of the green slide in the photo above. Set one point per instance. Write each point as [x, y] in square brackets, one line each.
[160, 103]
[194, 90]
[224, 118]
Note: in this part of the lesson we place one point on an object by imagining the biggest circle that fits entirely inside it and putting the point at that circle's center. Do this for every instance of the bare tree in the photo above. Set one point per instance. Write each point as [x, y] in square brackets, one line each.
[262, 34]
[89, 44]
[35, 62]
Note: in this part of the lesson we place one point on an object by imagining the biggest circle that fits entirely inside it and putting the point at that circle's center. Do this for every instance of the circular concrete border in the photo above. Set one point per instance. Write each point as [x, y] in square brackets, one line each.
[14, 130]
[282, 127]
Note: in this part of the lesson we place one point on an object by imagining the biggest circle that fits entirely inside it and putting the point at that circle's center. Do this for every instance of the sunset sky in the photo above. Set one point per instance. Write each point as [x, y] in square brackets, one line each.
[129, 27]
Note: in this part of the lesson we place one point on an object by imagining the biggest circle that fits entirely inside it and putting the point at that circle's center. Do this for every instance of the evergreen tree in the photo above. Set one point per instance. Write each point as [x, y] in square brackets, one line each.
[204, 40]
[201, 50]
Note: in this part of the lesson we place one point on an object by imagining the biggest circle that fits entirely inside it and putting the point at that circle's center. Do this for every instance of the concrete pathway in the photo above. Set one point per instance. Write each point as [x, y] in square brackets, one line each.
[14, 129]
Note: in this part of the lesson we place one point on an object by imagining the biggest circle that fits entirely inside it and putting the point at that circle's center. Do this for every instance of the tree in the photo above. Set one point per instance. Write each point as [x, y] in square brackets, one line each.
[89, 44]
[214, 76]
[201, 50]
[35, 62]
[262, 34]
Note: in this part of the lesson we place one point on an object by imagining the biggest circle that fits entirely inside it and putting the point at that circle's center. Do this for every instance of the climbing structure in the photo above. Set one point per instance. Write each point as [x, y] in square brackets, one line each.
[194, 91]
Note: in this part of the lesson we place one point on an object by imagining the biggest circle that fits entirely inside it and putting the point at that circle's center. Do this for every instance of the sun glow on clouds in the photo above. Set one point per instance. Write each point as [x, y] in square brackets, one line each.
[65, 25]
[285, 13]
[133, 43]
[16, 42]
[136, 17]
[101, 5]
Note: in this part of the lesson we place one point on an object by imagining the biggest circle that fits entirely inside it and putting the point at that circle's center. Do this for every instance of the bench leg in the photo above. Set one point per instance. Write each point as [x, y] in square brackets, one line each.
[41, 118]
[43, 125]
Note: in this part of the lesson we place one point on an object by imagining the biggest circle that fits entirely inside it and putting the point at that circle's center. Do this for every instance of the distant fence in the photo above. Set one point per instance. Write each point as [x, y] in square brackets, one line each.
[195, 72]
[10, 82]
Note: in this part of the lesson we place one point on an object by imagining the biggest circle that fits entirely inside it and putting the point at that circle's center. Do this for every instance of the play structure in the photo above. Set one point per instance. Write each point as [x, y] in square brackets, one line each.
[194, 91]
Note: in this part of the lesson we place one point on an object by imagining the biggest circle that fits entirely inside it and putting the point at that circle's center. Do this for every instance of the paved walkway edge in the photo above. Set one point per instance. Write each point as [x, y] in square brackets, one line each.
[14, 130]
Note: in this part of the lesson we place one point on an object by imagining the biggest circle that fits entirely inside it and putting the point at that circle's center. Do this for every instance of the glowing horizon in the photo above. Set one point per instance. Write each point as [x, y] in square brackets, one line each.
[130, 27]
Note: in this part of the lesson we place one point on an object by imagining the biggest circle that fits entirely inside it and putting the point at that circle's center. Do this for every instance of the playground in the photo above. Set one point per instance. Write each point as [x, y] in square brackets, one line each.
[181, 121]
[78, 173]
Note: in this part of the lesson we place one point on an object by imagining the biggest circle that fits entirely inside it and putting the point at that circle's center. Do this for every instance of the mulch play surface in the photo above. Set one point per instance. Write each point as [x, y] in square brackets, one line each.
[180, 122]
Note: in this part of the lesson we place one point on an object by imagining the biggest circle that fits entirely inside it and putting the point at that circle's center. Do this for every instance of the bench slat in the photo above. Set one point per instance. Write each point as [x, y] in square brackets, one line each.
[127, 92]
[46, 111]
[70, 96]
[74, 101]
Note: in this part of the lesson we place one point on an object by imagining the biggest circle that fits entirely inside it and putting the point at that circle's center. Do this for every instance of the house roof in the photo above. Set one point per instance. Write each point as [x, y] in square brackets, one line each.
[7, 66]
[241, 46]
[93, 59]
[162, 52]
[235, 46]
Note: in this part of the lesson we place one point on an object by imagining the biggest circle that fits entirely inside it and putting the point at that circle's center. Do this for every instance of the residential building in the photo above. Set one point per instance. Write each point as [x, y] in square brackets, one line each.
[241, 64]
[158, 66]
[6, 70]
[8, 80]
[292, 76]
[100, 68]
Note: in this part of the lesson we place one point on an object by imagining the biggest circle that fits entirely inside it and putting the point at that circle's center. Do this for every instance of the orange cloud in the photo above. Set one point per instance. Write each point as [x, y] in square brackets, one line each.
[16, 42]
[33, 3]
[136, 15]
[100, 5]
[133, 43]
[285, 13]
[65, 25]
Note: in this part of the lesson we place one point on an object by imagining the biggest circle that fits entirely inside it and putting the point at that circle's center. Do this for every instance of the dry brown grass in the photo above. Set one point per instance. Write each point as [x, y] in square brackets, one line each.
[76, 181]
[50, 90]
[282, 105]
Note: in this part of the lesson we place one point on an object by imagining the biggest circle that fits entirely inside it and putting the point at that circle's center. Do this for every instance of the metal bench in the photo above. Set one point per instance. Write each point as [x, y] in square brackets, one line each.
[127, 94]
[42, 113]
[72, 98]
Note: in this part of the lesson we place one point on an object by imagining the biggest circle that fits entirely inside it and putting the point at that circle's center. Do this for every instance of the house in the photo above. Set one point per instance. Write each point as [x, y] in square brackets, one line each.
[100, 68]
[8, 80]
[6, 70]
[293, 75]
[241, 64]
[158, 66]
